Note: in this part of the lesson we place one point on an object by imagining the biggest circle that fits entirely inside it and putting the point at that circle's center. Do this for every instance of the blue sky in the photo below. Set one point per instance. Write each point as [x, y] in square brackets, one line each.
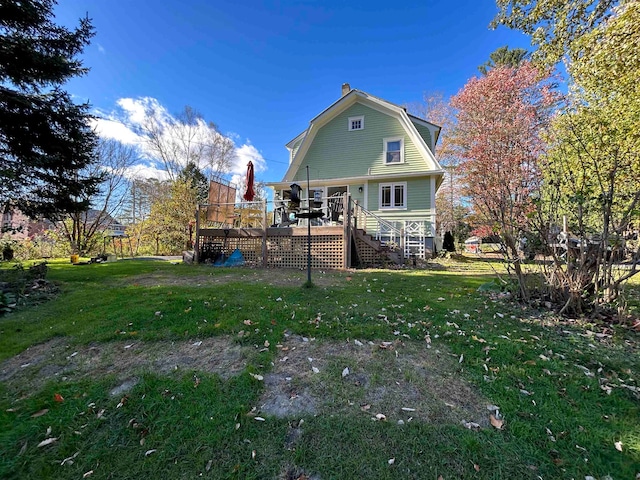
[262, 70]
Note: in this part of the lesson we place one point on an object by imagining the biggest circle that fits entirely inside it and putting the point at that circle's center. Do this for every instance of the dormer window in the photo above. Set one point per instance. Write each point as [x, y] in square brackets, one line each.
[356, 123]
[394, 150]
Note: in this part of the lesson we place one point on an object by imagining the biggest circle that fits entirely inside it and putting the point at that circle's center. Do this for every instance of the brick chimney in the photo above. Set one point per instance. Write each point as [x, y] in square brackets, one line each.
[346, 88]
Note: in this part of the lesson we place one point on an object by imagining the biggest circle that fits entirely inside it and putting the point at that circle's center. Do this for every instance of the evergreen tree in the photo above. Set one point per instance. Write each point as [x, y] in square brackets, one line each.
[45, 139]
[504, 57]
[193, 176]
[448, 243]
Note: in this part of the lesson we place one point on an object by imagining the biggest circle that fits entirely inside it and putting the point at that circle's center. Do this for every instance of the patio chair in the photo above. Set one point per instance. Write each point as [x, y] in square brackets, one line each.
[336, 208]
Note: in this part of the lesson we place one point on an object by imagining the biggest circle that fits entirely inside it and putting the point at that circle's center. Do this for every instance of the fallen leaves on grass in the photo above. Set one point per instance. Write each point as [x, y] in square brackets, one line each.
[471, 425]
[40, 413]
[69, 460]
[496, 422]
[58, 398]
[48, 441]
[618, 446]
[150, 452]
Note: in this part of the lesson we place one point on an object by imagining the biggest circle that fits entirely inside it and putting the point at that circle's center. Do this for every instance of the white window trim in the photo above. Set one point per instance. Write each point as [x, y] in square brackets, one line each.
[352, 119]
[385, 141]
[393, 185]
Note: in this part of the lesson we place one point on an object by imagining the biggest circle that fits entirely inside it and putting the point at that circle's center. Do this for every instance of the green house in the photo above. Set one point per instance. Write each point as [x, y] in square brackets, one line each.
[379, 157]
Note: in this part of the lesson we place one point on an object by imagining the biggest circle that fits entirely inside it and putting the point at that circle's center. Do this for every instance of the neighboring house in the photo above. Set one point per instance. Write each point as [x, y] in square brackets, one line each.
[17, 226]
[380, 155]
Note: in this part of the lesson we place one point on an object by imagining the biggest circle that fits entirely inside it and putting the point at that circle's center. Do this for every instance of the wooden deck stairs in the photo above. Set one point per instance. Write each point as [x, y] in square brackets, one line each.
[370, 251]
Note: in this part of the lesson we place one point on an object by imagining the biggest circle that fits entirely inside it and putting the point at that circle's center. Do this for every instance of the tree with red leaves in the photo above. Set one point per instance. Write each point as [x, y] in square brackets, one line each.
[500, 117]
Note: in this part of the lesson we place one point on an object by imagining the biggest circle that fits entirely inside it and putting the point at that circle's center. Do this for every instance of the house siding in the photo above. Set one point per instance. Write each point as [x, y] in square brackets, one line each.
[337, 152]
[356, 195]
[425, 134]
[419, 206]
[418, 198]
[295, 148]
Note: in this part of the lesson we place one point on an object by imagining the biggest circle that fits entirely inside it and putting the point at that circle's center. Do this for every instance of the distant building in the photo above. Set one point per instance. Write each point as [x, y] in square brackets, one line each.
[17, 226]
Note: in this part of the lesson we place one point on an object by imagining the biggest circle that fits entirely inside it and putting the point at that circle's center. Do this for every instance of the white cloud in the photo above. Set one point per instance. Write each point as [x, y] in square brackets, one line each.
[125, 124]
[136, 108]
[143, 171]
[116, 130]
[245, 154]
[101, 49]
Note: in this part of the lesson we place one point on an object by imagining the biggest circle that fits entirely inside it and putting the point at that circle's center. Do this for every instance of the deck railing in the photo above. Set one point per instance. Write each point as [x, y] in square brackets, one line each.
[233, 215]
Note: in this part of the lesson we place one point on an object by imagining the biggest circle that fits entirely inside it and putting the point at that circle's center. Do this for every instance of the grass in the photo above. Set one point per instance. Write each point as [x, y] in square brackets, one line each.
[545, 376]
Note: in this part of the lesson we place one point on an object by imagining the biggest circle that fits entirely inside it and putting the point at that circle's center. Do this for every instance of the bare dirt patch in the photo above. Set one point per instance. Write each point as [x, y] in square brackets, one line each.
[399, 381]
[28, 371]
[388, 381]
[278, 277]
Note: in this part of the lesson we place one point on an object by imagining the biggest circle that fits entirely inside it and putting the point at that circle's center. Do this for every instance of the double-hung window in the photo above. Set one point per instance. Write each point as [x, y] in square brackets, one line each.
[393, 196]
[356, 123]
[393, 150]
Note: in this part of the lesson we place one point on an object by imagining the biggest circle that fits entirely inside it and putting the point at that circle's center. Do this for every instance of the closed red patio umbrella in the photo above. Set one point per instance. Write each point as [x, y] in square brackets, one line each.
[249, 193]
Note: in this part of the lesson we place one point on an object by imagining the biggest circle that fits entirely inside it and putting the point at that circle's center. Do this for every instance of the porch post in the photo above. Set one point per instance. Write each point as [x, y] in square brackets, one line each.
[402, 242]
[264, 233]
[355, 214]
[346, 220]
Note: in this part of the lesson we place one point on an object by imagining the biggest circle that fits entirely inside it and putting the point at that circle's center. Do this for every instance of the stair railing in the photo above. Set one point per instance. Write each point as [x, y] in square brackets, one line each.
[386, 232]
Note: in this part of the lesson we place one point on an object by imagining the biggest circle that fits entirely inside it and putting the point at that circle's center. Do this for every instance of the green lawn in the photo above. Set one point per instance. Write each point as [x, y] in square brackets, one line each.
[568, 392]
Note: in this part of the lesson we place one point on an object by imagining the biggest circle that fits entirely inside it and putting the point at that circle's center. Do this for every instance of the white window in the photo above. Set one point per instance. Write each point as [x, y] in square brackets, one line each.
[394, 150]
[393, 196]
[6, 220]
[356, 123]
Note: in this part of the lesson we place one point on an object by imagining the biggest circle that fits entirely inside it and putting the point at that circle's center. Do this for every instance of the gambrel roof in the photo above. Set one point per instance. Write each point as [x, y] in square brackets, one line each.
[299, 146]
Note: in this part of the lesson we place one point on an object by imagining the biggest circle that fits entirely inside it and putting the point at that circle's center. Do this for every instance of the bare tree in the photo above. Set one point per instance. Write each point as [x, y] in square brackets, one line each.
[187, 138]
[142, 195]
[450, 201]
[82, 226]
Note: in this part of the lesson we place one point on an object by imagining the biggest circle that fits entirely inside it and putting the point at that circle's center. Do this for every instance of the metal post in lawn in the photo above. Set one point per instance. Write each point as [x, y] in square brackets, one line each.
[265, 261]
[308, 231]
[196, 246]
